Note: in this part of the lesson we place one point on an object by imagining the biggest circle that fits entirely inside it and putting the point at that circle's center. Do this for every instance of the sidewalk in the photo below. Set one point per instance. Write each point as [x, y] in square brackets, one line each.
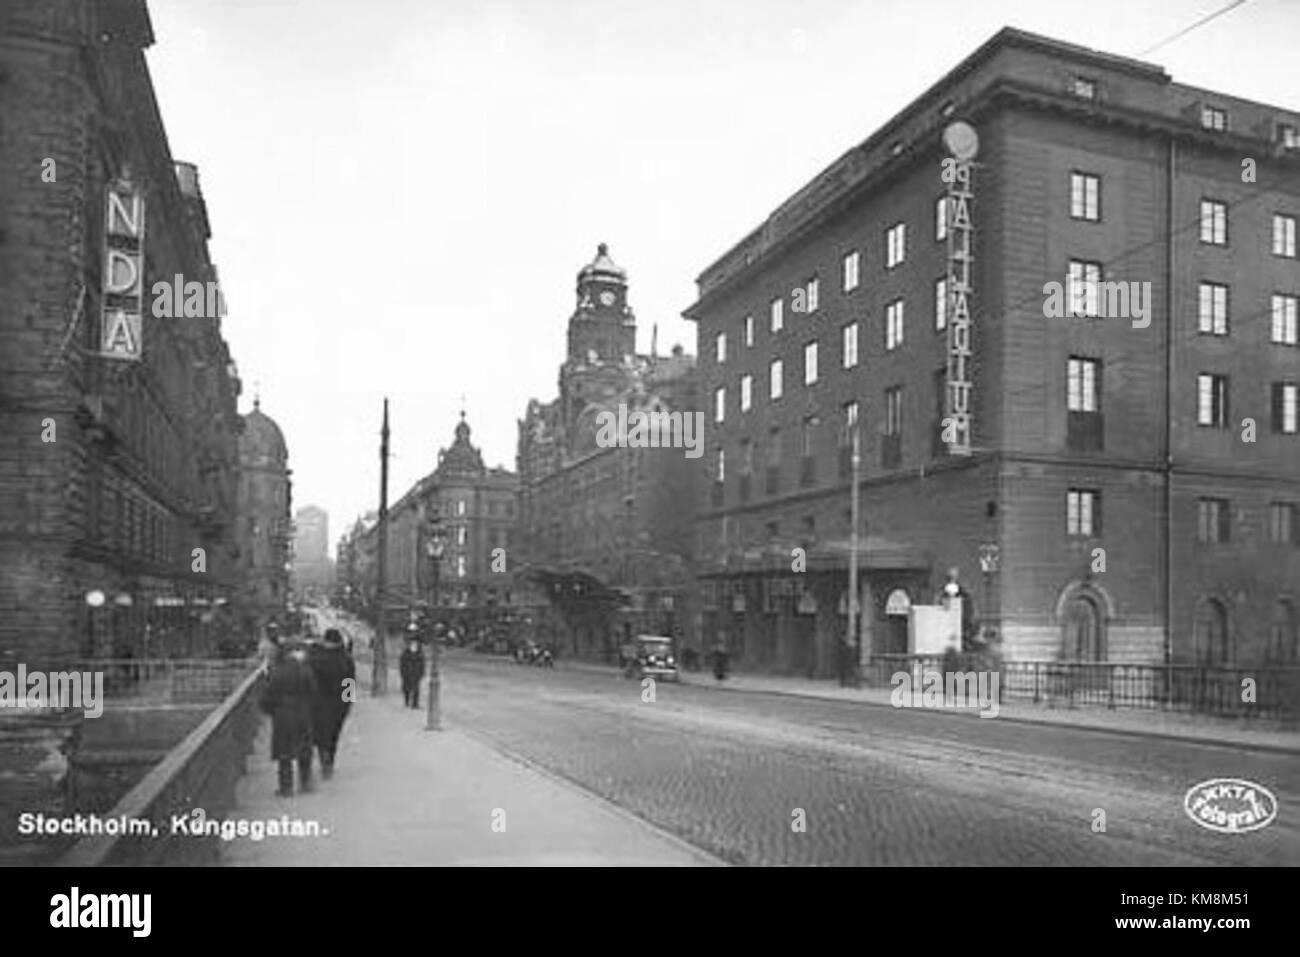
[1206, 729]
[403, 796]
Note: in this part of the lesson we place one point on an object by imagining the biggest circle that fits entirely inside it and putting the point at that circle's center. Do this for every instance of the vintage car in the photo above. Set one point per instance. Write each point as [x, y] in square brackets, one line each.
[650, 656]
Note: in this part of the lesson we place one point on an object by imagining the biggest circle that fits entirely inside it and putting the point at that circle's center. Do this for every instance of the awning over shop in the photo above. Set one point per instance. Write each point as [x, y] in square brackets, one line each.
[874, 554]
[572, 584]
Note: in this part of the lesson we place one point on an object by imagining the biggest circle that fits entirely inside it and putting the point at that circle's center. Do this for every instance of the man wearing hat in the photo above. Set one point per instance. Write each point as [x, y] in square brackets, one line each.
[335, 674]
[411, 666]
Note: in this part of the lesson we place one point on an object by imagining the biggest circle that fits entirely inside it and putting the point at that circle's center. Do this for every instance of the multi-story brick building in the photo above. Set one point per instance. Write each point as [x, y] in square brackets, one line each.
[114, 471]
[1131, 487]
[606, 528]
[474, 507]
[265, 530]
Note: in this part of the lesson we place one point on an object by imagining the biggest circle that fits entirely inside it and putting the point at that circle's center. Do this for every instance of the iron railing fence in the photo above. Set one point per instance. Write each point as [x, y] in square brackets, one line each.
[1265, 690]
[165, 680]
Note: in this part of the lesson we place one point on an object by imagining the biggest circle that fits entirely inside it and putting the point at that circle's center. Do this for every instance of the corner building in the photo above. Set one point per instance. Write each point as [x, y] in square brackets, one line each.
[1110, 507]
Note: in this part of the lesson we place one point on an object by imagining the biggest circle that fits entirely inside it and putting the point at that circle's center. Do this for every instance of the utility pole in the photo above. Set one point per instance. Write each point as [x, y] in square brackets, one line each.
[379, 669]
[854, 638]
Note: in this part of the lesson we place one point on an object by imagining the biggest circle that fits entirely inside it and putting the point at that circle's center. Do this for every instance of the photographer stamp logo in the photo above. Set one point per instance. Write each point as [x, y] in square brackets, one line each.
[1231, 805]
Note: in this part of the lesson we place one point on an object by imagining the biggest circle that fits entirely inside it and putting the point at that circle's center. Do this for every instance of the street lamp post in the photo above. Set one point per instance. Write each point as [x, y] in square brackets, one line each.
[434, 544]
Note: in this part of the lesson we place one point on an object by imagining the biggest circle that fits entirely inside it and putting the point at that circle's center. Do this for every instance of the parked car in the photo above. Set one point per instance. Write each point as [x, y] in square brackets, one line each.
[651, 656]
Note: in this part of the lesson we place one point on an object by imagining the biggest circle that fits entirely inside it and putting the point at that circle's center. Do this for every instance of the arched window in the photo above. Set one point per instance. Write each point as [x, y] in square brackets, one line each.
[1284, 633]
[1083, 634]
[1212, 642]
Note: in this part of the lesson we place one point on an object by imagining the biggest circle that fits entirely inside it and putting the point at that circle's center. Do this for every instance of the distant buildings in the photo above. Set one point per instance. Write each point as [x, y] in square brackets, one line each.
[313, 570]
[265, 498]
[118, 473]
[1107, 488]
[466, 508]
[606, 528]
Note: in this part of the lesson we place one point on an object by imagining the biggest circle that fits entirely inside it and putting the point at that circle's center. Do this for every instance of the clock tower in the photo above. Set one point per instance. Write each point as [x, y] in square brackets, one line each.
[602, 328]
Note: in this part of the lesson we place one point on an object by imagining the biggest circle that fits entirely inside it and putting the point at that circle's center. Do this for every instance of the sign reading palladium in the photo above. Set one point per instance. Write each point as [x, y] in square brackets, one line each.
[963, 143]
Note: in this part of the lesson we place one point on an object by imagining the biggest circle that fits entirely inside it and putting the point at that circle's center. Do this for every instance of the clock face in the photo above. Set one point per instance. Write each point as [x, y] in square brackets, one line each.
[607, 298]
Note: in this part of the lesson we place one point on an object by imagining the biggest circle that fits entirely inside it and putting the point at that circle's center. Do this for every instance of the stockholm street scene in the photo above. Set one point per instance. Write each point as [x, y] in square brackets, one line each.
[563, 433]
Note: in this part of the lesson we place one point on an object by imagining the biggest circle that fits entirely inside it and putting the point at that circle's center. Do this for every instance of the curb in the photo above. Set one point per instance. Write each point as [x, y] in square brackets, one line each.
[1020, 719]
[555, 777]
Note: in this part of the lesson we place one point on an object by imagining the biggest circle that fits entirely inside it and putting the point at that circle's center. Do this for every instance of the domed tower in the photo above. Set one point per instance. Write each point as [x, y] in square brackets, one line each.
[265, 528]
[602, 343]
[602, 326]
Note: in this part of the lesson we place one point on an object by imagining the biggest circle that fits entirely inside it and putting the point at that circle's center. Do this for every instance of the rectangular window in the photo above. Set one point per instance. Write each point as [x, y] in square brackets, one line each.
[810, 363]
[851, 264]
[749, 331]
[1213, 118]
[850, 421]
[746, 457]
[775, 379]
[1214, 222]
[808, 436]
[814, 292]
[1084, 88]
[1081, 385]
[1285, 395]
[777, 315]
[720, 347]
[1212, 522]
[1282, 524]
[894, 410]
[941, 218]
[941, 305]
[1085, 196]
[849, 344]
[1082, 513]
[1212, 400]
[1213, 309]
[773, 447]
[746, 392]
[1284, 235]
[895, 245]
[1288, 136]
[894, 325]
[1284, 319]
[719, 403]
[1083, 289]
[720, 471]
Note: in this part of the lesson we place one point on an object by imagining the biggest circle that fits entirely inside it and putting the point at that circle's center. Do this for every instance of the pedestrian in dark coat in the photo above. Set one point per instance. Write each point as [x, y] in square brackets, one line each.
[288, 697]
[335, 675]
[411, 666]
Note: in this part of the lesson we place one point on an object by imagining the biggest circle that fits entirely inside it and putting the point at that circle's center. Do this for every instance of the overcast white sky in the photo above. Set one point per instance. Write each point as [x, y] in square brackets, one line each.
[402, 191]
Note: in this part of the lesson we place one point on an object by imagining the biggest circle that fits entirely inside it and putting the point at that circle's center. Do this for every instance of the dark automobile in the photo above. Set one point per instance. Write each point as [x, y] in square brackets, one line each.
[651, 656]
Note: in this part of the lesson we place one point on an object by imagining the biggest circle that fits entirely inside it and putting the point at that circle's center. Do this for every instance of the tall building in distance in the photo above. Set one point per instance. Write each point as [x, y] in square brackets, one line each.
[606, 540]
[1128, 486]
[470, 510]
[313, 570]
[118, 430]
[265, 529]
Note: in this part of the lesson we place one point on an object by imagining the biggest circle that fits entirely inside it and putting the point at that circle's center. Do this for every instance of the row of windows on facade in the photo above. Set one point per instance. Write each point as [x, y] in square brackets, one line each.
[1083, 383]
[1213, 518]
[1213, 118]
[1085, 204]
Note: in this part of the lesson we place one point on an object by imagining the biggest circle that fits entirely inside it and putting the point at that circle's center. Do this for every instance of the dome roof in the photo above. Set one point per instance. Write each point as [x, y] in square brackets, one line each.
[602, 267]
[261, 435]
[461, 458]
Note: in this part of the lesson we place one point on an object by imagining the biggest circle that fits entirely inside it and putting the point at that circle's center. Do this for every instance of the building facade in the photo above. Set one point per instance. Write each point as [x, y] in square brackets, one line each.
[313, 570]
[606, 526]
[1119, 483]
[265, 530]
[118, 429]
[466, 508]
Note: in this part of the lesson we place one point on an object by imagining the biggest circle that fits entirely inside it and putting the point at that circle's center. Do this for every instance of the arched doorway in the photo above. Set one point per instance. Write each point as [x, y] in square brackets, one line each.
[1083, 632]
[1211, 633]
[1284, 633]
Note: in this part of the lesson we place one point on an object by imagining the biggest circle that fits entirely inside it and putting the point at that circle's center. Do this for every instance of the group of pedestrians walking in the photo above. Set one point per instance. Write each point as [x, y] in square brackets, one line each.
[308, 693]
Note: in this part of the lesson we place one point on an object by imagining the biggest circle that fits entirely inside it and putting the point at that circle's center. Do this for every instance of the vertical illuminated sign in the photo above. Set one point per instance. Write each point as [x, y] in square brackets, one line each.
[963, 143]
[123, 276]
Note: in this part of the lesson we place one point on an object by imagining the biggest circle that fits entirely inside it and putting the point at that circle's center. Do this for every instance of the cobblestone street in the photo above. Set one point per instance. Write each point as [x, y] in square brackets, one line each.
[727, 772]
